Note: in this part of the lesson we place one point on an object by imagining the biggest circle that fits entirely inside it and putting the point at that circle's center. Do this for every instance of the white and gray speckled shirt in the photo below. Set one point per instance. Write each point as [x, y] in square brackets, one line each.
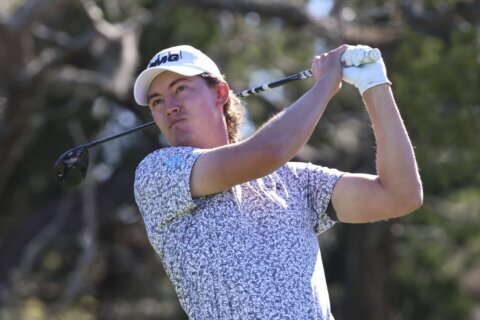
[250, 252]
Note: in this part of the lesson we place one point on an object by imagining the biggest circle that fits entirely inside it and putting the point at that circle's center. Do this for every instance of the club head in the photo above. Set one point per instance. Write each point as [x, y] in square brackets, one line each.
[71, 167]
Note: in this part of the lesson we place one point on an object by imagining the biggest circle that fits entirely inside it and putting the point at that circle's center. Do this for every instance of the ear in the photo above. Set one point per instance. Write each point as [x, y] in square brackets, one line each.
[223, 91]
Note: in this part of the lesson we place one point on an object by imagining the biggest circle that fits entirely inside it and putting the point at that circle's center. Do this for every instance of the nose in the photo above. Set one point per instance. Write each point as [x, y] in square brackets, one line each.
[172, 105]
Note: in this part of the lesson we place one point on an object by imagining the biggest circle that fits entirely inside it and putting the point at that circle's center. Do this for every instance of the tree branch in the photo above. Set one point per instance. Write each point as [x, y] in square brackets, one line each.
[30, 12]
[127, 66]
[333, 28]
[115, 31]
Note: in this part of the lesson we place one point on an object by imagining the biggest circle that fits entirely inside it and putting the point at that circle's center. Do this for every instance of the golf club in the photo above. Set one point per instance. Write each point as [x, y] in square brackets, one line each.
[71, 167]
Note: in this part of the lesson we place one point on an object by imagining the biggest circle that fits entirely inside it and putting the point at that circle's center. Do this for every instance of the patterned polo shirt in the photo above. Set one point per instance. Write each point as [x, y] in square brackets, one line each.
[250, 252]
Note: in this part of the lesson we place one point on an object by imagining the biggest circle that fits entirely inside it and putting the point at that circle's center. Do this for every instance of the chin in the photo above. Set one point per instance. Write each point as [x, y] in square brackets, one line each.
[183, 143]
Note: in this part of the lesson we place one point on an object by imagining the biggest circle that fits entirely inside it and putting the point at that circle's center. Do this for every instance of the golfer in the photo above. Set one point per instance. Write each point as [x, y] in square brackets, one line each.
[236, 223]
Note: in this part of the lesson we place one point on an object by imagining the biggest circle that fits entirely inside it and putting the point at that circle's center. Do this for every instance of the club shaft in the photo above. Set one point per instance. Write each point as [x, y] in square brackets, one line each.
[306, 74]
[118, 135]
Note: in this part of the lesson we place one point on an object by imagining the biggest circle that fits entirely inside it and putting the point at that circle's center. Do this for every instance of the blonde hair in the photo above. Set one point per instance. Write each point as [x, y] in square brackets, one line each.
[232, 110]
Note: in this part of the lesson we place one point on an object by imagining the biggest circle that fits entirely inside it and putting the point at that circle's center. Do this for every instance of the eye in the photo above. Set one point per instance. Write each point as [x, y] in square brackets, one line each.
[155, 102]
[180, 89]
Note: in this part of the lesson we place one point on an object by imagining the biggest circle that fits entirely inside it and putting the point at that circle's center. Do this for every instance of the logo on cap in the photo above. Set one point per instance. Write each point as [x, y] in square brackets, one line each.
[164, 57]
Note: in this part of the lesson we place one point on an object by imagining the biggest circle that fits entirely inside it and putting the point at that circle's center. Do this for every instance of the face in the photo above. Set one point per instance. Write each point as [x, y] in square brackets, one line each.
[188, 111]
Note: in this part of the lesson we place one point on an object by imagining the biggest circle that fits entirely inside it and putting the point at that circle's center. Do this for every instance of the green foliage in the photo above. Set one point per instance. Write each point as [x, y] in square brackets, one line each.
[168, 31]
[436, 84]
[437, 89]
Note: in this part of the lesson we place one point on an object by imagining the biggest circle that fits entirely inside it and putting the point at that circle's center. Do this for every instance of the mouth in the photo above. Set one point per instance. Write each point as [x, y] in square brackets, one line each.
[173, 123]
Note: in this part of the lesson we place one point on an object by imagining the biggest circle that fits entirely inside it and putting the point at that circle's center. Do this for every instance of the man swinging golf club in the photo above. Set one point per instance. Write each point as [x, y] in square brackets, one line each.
[236, 223]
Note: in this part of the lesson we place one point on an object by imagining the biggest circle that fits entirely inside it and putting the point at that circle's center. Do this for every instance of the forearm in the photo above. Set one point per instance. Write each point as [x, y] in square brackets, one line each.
[284, 135]
[288, 131]
[395, 160]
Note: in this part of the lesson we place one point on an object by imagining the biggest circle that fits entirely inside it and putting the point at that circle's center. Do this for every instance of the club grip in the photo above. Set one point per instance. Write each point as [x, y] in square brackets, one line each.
[369, 56]
[372, 56]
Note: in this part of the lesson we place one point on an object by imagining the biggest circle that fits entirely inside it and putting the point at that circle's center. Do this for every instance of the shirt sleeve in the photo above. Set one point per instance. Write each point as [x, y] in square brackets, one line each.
[162, 185]
[319, 183]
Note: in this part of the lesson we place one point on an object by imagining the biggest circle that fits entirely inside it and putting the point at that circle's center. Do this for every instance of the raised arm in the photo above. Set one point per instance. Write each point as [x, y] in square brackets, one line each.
[396, 189]
[276, 142]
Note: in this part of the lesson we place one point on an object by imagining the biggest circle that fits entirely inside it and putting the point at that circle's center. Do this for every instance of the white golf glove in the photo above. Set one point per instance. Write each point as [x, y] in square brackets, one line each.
[355, 55]
[363, 76]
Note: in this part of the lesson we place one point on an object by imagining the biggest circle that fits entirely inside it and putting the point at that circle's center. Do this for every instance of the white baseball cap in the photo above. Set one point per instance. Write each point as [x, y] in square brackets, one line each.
[184, 60]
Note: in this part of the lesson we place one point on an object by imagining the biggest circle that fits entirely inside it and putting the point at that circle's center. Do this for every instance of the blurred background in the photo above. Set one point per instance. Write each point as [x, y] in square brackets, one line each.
[66, 74]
